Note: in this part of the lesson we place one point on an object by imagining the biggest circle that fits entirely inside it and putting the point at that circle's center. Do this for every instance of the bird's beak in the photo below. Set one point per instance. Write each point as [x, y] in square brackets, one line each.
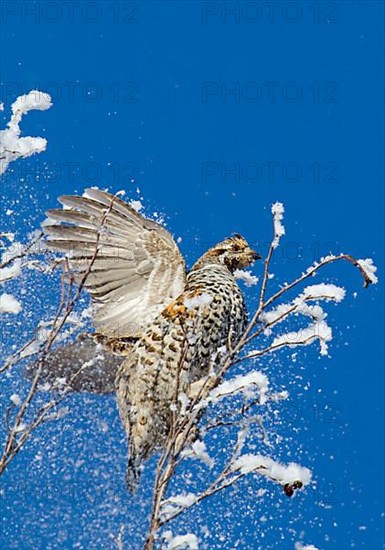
[255, 255]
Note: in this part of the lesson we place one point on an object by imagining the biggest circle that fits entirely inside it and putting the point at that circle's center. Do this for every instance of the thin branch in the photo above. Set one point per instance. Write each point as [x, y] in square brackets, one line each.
[313, 270]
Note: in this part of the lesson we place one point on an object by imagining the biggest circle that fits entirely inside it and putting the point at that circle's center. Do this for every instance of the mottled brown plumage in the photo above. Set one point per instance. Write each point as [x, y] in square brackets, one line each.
[179, 327]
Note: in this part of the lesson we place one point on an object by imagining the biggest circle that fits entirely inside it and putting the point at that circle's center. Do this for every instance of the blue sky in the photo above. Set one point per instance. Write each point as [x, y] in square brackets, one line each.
[213, 116]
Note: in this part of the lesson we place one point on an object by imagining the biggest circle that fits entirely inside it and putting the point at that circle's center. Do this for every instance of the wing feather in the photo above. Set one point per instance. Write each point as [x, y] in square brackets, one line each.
[137, 267]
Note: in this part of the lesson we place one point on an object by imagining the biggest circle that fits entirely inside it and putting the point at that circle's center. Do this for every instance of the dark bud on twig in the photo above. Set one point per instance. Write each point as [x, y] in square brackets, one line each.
[289, 488]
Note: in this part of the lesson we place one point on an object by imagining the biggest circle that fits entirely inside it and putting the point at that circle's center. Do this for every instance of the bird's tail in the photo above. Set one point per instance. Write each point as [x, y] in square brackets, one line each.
[132, 474]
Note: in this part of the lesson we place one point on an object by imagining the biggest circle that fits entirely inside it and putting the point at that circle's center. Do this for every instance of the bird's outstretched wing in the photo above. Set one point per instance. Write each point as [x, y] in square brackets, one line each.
[134, 267]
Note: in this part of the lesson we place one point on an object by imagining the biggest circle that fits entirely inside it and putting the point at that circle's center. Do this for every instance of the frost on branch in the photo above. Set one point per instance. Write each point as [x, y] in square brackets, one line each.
[198, 301]
[12, 146]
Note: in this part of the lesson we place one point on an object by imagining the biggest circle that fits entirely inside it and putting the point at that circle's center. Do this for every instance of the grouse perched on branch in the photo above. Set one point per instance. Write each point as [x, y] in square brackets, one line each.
[167, 325]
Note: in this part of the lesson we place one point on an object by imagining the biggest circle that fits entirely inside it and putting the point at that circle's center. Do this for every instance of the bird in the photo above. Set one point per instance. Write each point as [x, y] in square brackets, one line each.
[168, 327]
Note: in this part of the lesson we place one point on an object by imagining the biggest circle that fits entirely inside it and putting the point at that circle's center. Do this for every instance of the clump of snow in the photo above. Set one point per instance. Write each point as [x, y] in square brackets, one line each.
[9, 304]
[319, 330]
[45, 387]
[324, 291]
[369, 268]
[277, 210]
[34, 100]
[87, 193]
[272, 316]
[12, 146]
[184, 402]
[136, 205]
[176, 503]
[16, 399]
[198, 451]
[7, 273]
[246, 276]
[281, 312]
[300, 546]
[247, 383]
[180, 542]
[203, 299]
[60, 382]
[315, 312]
[281, 473]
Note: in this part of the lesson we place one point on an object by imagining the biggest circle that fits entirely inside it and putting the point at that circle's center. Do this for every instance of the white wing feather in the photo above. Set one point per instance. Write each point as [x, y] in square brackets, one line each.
[138, 268]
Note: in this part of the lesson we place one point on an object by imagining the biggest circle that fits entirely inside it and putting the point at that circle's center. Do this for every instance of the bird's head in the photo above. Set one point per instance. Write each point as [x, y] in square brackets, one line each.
[234, 253]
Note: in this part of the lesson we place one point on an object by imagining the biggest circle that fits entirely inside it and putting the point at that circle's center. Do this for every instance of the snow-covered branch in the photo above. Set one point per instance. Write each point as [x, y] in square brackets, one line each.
[12, 146]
